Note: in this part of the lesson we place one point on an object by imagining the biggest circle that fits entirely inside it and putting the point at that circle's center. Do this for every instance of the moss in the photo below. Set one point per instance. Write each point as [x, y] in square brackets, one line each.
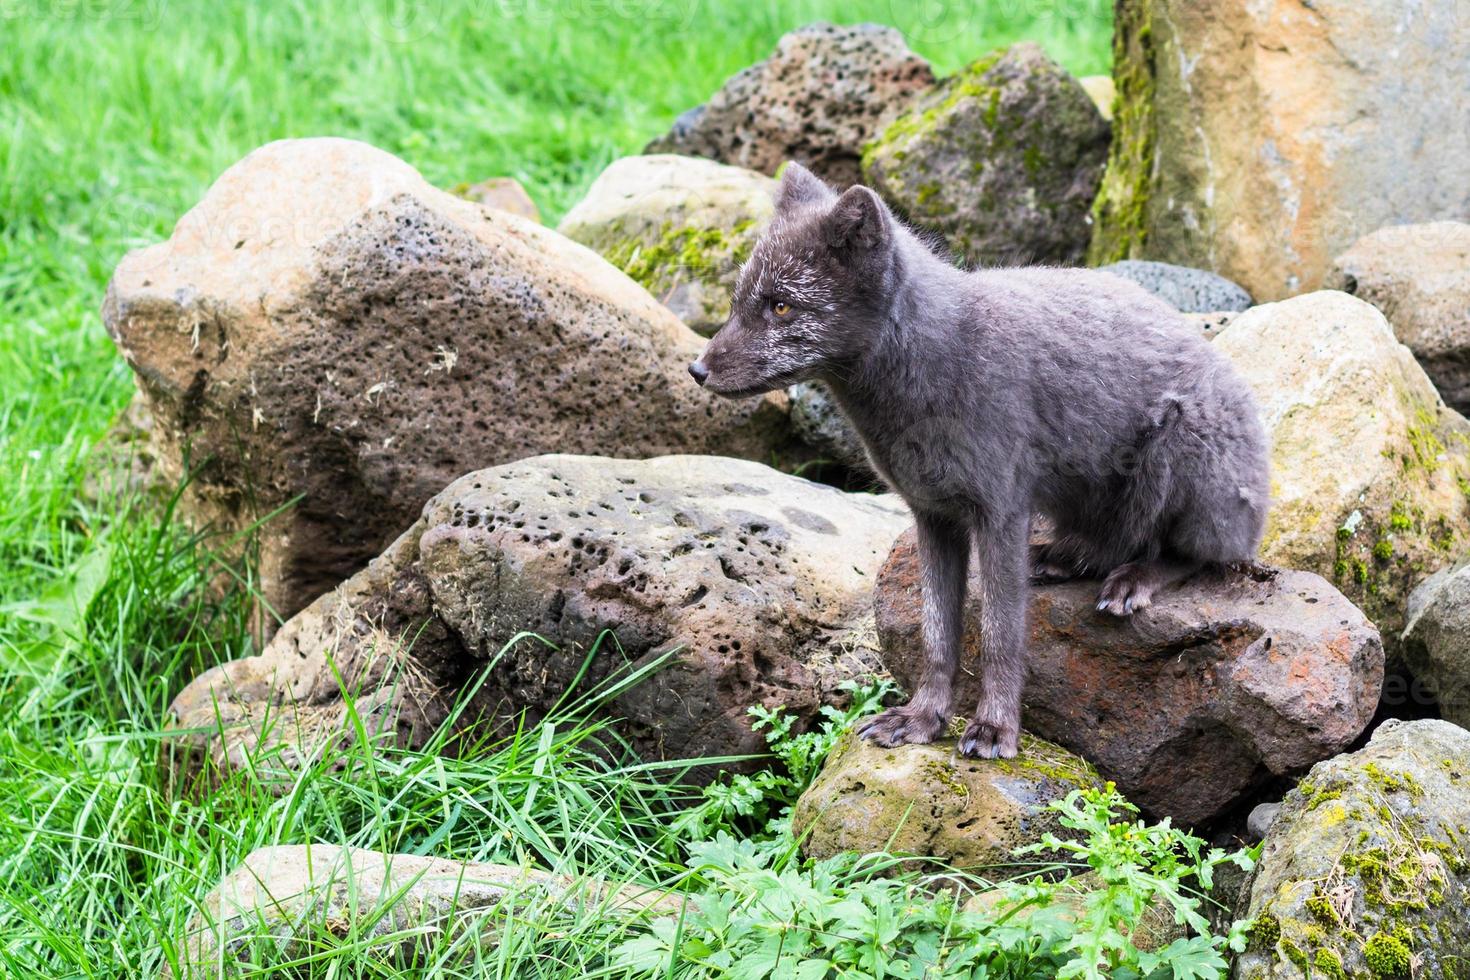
[1265, 931]
[1387, 956]
[1383, 550]
[1297, 955]
[1329, 964]
[944, 774]
[682, 252]
[1120, 210]
[1322, 910]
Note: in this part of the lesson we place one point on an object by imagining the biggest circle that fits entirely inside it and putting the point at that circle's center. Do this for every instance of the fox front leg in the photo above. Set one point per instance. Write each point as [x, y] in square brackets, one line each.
[944, 554]
[995, 730]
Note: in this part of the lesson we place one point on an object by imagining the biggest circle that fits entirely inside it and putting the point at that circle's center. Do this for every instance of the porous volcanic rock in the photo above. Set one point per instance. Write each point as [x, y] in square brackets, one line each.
[1262, 139]
[399, 907]
[823, 93]
[1187, 290]
[757, 585]
[1365, 872]
[679, 226]
[1419, 276]
[1002, 159]
[1368, 466]
[328, 336]
[1436, 645]
[927, 801]
[1260, 672]
[818, 422]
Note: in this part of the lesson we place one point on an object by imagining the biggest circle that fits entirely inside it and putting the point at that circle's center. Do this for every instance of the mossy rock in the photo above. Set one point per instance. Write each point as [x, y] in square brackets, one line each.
[1002, 159]
[927, 801]
[678, 226]
[1369, 469]
[1366, 871]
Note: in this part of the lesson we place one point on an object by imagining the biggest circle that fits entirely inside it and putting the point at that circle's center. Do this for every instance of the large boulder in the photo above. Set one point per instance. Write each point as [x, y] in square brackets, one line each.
[1366, 870]
[679, 226]
[1002, 159]
[1368, 467]
[1188, 290]
[328, 336]
[1261, 139]
[282, 902]
[823, 93]
[756, 585]
[1419, 276]
[926, 801]
[1436, 644]
[1261, 672]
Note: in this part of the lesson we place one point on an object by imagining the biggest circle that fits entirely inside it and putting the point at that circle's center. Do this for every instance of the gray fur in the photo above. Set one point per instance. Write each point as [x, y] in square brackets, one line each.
[985, 397]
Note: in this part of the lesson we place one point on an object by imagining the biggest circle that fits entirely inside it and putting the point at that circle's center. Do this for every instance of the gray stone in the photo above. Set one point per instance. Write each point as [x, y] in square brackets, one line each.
[678, 226]
[1262, 816]
[1187, 290]
[1002, 159]
[330, 340]
[757, 586]
[1419, 276]
[282, 901]
[1366, 871]
[927, 801]
[818, 422]
[822, 94]
[1436, 645]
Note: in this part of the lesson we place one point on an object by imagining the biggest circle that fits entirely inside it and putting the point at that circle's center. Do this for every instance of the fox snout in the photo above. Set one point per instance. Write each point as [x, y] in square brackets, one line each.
[699, 372]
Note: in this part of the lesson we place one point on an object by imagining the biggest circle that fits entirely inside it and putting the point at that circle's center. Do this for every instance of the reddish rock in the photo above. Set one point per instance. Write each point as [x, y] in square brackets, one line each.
[1226, 681]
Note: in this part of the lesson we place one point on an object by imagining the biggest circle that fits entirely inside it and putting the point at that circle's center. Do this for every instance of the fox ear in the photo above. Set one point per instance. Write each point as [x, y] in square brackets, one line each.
[858, 222]
[800, 186]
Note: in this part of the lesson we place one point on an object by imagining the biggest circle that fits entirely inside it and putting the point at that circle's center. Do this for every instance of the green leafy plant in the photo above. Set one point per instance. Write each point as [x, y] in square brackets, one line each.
[759, 803]
[1137, 866]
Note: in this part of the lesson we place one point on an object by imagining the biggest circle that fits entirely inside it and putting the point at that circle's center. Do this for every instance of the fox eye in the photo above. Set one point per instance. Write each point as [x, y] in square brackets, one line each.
[779, 308]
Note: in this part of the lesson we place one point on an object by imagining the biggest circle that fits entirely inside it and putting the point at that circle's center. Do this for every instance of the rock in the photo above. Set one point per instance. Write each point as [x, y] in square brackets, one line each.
[822, 94]
[1419, 276]
[1367, 465]
[1002, 159]
[1365, 873]
[1187, 290]
[503, 194]
[1262, 674]
[679, 226]
[396, 907]
[1262, 139]
[1436, 645]
[818, 422]
[1155, 929]
[1211, 324]
[761, 582]
[327, 335]
[1101, 90]
[122, 467]
[1262, 816]
[925, 800]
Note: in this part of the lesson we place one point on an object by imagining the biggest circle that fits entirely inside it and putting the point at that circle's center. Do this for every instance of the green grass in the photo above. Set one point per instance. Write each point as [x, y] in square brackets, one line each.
[115, 116]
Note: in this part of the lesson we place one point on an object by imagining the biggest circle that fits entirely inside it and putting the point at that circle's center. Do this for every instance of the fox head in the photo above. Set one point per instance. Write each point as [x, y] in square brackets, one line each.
[812, 293]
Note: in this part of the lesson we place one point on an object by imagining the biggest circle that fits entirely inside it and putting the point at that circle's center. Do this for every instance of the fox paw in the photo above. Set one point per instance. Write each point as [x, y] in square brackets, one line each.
[1127, 589]
[1048, 566]
[904, 725]
[985, 739]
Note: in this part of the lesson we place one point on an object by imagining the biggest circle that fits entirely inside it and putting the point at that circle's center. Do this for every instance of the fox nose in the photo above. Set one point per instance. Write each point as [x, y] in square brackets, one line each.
[698, 372]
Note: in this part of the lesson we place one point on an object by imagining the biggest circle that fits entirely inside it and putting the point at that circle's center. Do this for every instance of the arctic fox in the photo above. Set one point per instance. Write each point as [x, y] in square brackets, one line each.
[986, 397]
